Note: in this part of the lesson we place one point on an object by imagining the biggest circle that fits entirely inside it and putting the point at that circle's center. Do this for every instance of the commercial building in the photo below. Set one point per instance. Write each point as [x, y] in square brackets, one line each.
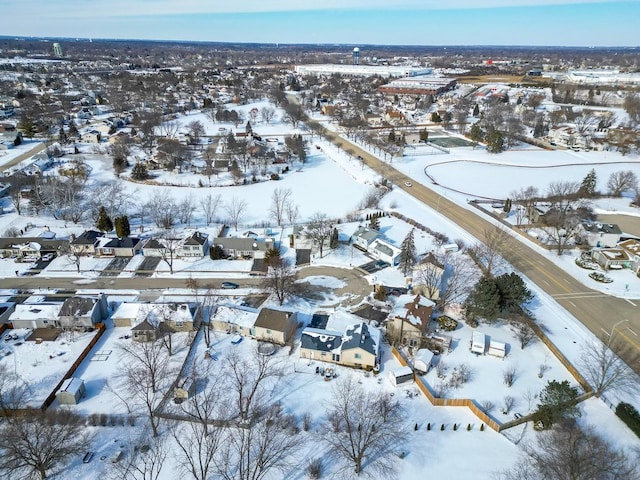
[418, 85]
[384, 71]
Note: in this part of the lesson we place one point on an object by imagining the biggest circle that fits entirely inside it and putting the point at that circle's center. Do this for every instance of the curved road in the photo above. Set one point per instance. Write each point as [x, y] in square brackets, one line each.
[597, 311]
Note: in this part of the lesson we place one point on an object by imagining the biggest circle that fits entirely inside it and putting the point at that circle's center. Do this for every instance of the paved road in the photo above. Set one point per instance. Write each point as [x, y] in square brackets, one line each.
[597, 311]
[23, 156]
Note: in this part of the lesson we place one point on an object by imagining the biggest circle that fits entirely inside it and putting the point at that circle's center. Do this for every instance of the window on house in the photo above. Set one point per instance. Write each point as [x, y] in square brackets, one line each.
[358, 356]
[268, 331]
[179, 324]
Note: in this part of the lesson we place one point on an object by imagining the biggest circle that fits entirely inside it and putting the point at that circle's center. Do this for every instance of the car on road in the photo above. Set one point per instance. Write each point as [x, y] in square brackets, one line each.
[229, 285]
[47, 257]
[408, 184]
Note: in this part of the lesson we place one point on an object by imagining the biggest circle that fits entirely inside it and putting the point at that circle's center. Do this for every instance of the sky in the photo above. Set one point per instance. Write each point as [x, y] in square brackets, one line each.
[401, 22]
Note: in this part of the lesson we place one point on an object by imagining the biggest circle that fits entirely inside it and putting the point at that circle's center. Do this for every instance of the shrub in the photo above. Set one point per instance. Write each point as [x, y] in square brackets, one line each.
[428, 426]
[468, 427]
[447, 324]
[482, 427]
[442, 427]
[306, 422]
[275, 176]
[629, 415]
[455, 427]
[314, 468]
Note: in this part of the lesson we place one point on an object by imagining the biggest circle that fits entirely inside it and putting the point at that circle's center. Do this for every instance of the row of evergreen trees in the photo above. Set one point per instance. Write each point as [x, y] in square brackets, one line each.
[105, 224]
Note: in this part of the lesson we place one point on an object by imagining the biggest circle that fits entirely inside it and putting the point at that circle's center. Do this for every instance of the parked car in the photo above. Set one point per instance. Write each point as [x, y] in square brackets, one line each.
[87, 457]
[47, 257]
[229, 285]
[408, 184]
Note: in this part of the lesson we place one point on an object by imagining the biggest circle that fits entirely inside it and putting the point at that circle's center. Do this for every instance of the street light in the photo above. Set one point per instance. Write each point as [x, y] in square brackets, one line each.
[613, 328]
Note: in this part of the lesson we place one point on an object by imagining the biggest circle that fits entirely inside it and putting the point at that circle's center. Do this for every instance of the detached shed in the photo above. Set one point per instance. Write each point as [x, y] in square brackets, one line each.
[422, 360]
[185, 391]
[400, 376]
[497, 349]
[71, 392]
[478, 343]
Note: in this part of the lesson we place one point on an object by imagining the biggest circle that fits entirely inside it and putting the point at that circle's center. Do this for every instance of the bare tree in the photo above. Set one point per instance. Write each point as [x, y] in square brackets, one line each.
[509, 375]
[429, 275]
[248, 378]
[162, 208]
[267, 113]
[622, 181]
[293, 212]
[570, 452]
[185, 210]
[495, 242]
[604, 370]
[145, 372]
[525, 200]
[142, 463]
[170, 244]
[169, 129]
[459, 277]
[319, 229]
[509, 403]
[196, 130]
[294, 114]
[17, 183]
[280, 279]
[263, 449]
[363, 428]
[562, 221]
[14, 391]
[524, 333]
[280, 198]
[235, 208]
[34, 445]
[586, 121]
[209, 205]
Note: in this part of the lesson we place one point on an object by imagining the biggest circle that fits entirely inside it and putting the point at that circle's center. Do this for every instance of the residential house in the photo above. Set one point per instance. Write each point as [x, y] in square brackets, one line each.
[395, 118]
[92, 136]
[159, 320]
[373, 120]
[36, 315]
[86, 243]
[153, 248]
[600, 235]
[276, 326]
[235, 320]
[612, 257]
[119, 247]
[385, 251]
[83, 311]
[196, 245]
[6, 309]
[357, 346]
[632, 247]
[364, 237]
[33, 247]
[244, 247]
[409, 319]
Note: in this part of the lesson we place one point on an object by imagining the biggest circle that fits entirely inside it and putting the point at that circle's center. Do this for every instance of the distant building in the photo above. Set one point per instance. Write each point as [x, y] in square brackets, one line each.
[57, 50]
[418, 85]
[384, 71]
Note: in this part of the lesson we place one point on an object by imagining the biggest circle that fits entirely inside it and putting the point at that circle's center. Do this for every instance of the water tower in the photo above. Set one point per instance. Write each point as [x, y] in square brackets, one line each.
[356, 56]
[57, 50]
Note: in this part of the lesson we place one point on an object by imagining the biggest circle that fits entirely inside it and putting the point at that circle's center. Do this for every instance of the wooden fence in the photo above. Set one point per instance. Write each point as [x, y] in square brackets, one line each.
[475, 409]
[52, 396]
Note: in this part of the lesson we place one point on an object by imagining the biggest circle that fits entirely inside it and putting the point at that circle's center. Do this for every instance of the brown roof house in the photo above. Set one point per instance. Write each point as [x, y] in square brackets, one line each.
[409, 320]
[276, 326]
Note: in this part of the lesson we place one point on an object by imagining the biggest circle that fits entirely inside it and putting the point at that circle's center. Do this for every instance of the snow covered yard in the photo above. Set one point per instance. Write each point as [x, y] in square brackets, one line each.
[41, 365]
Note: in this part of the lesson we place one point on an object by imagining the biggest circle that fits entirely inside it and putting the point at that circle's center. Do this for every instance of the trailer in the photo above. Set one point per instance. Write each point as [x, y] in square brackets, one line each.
[497, 349]
[478, 343]
[422, 360]
[400, 376]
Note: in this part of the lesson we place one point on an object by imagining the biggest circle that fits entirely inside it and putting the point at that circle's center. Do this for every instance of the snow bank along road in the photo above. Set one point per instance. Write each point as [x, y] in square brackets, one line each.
[596, 311]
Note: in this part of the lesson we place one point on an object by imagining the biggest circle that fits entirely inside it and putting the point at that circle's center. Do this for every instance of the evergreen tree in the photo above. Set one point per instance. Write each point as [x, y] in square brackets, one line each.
[62, 136]
[271, 256]
[73, 130]
[557, 401]
[483, 301]
[407, 254]
[104, 223]
[513, 292]
[333, 241]
[424, 135]
[495, 141]
[391, 138]
[476, 111]
[435, 117]
[139, 172]
[27, 126]
[123, 229]
[476, 133]
[248, 128]
[374, 223]
[588, 185]
[216, 252]
[506, 208]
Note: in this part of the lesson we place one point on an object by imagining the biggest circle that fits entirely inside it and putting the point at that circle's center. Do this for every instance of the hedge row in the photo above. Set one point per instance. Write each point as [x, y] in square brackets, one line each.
[629, 415]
